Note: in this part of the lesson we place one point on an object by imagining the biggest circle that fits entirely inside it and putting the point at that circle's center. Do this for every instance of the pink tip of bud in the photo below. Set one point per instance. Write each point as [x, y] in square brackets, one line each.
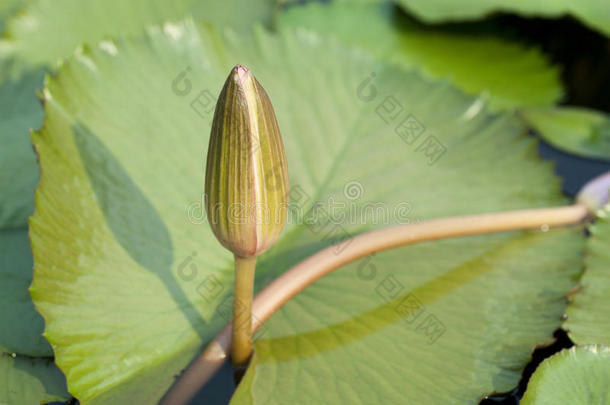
[242, 72]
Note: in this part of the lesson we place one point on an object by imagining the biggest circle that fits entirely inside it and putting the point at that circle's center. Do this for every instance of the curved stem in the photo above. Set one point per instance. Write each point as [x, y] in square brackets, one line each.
[289, 284]
[242, 310]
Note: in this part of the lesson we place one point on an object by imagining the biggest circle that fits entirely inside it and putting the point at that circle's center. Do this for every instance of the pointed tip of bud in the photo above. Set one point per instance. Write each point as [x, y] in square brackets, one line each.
[240, 72]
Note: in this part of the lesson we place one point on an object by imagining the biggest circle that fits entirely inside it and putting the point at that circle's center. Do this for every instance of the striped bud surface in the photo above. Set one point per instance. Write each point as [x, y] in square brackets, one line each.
[246, 182]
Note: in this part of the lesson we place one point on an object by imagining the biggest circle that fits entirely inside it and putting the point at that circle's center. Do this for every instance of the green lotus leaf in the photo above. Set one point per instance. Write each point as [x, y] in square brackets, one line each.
[475, 64]
[576, 130]
[132, 282]
[27, 380]
[593, 13]
[588, 316]
[577, 376]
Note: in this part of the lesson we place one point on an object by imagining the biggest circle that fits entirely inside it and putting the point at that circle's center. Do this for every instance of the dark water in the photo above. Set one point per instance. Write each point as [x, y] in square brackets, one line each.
[219, 389]
[575, 171]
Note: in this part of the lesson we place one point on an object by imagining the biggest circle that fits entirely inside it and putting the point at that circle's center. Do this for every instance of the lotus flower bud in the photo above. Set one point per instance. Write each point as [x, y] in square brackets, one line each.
[246, 183]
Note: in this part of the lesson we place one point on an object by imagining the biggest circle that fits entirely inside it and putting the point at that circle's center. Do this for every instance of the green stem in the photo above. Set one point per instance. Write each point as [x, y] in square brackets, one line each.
[241, 348]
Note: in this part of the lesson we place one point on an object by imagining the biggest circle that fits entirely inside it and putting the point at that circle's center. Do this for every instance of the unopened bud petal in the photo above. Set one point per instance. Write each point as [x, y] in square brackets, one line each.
[246, 182]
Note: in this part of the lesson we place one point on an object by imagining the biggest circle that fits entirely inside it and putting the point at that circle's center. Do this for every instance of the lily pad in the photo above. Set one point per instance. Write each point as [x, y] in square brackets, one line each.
[483, 65]
[27, 380]
[132, 282]
[588, 316]
[576, 130]
[576, 376]
[593, 13]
